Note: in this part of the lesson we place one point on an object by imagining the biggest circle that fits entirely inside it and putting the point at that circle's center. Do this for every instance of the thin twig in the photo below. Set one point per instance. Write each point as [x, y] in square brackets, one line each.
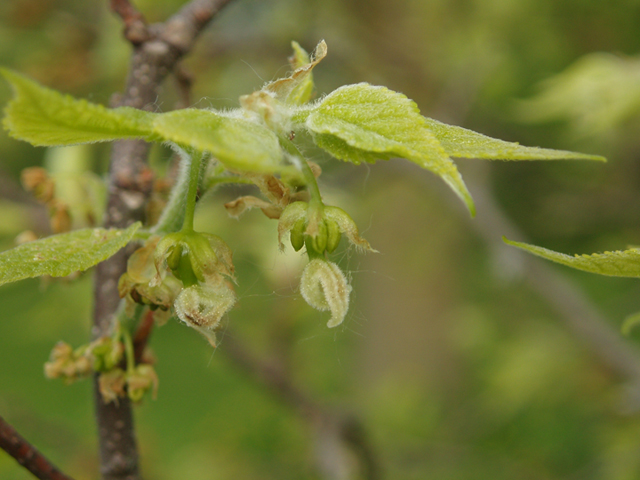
[142, 335]
[157, 49]
[184, 81]
[577, 311]
[27, 455]
[135, 26]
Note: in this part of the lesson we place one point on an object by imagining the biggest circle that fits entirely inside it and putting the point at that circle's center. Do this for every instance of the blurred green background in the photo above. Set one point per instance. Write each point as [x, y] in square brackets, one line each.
[457, 368]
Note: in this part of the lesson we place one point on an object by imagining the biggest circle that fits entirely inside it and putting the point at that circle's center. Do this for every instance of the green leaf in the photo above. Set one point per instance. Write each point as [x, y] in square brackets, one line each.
[462, 143]
[598, 96]
[302, 92]
[362, 122]
[44, 117]
[617, 264]
[239, 144]
[63, 254]
[296, 89]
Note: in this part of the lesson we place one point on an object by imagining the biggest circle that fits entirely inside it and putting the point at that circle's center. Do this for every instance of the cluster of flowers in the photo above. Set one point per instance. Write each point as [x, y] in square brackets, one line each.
[104, 356]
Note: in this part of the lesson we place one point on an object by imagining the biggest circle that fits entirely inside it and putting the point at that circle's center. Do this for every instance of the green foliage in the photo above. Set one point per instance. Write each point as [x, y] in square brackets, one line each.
[460, 142]
[44, 117]
[355, 123]
[302, 92]
[597, 95]
[239, 144]
[617, 264]
[63, 254]
[363, 123]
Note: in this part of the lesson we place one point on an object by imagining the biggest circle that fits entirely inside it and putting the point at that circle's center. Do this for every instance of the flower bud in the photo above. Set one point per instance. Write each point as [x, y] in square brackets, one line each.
[318, 241]
[202, 306]
[320, 229]
[324, 287]
[297, 234]
[192, 257]
[143, 379]
[333, 235]
[111, 385]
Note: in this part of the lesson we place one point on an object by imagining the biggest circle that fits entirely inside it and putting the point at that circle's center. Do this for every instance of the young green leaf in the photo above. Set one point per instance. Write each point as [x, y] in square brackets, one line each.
[239, 144]
[296, 89]
[617, 264]
[63, 254]
[44, 117]
[302, 92]
[362, 122]
[462, 143]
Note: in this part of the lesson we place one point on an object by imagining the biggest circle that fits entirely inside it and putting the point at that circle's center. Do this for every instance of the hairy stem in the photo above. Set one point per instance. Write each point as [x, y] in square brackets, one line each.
[301, 164]
[192, 192]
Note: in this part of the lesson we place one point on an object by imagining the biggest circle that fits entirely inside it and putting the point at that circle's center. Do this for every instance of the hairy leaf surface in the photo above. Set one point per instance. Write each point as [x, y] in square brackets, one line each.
[63, 254]
[238, 143]
[44, 117]
[462, 143]
[362, 122]
[617, 264]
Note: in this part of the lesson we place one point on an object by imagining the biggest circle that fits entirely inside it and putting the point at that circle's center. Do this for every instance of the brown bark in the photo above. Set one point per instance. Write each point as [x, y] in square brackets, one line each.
[156, 51]
[27, 455]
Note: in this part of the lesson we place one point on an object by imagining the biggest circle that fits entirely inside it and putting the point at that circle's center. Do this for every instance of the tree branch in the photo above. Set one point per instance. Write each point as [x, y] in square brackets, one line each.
[156, 51]
[27, 455]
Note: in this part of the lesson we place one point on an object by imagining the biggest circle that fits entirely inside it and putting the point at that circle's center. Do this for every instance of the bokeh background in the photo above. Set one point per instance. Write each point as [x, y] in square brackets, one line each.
[455, 358]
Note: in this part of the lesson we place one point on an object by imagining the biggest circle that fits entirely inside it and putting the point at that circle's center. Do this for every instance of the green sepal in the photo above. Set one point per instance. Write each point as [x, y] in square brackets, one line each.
[63, 254]
[617, 264]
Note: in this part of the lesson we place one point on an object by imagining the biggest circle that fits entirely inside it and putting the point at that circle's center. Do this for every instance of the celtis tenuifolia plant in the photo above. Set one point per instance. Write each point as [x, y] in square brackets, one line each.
[179, 271]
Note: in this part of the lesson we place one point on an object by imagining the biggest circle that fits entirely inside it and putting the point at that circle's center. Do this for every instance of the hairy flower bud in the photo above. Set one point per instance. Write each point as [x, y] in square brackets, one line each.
[324, 287]
[202, 307]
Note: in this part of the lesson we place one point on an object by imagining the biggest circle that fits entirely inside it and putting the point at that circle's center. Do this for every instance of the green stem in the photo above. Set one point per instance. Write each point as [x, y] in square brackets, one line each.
[128, 350]
[301, 163]
[123, 331]
[192, 192]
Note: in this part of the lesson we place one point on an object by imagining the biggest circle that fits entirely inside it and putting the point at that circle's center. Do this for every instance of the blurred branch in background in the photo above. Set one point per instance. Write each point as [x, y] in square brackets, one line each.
[339, 436]
[27, 455]
[578, 312]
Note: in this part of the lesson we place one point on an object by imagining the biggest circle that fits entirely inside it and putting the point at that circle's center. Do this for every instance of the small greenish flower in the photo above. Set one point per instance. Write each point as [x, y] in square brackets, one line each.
[320, 229]
[135, 284]
[142, 379]
[111, 385]
[69, 364]
[325, 287]
[192, 257]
